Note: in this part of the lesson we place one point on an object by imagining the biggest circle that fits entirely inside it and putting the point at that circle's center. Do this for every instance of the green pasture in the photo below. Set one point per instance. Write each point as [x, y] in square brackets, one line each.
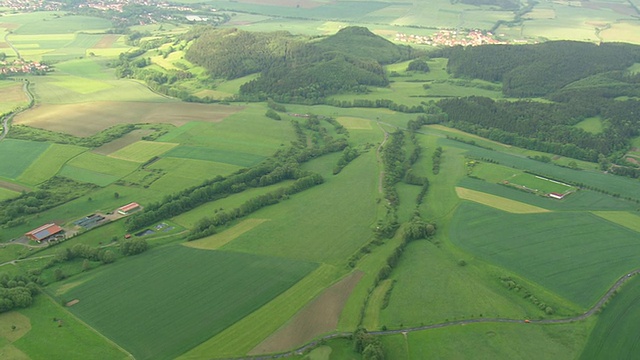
[405, 93]
[591, 125]
[576, 255]
[244, 335]
[432, 288]
[492, 341]
[7, 194]
[498, 202]
[103, 164]
[568, 24]
[22, 154]
[326, 223]
[539, 184]
[383, 115]
[347, 10]
[49, 163]
[86, 175]
[616, 334]
[215, 155]
[582, 200]
[247, 131]
[626, 187]
[624, 218]
[493, 172]
[12, 96]
[142, 151]
[195, 294]
[91, 68]
[190, 218]
[80, 85]
[182, 173]
[71, 340]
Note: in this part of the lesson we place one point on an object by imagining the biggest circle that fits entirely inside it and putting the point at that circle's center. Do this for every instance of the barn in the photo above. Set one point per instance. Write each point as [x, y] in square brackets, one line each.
[129, 208]
[44, 232]
[557, 195]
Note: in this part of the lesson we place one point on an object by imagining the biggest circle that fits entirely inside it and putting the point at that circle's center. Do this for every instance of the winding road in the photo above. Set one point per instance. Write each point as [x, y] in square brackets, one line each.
[583, 316]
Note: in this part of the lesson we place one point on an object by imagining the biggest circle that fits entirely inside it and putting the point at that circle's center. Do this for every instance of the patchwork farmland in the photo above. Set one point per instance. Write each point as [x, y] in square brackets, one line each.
[275, 223]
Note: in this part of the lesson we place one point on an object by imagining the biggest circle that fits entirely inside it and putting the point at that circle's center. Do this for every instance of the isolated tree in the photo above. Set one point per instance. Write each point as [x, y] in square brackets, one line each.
[86, 265]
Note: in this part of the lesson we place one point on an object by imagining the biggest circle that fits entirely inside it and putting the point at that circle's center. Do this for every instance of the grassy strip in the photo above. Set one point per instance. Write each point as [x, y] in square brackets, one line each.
[498, 202]
[623, 218]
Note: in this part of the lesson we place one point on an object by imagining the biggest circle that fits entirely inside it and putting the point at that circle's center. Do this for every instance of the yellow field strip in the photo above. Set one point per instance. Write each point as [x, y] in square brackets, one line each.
[498, 202]
[624, 218]
[218, 240]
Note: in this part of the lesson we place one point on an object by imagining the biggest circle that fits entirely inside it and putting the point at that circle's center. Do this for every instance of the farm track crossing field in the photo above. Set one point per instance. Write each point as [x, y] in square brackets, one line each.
[49, 163]
[142, 151]
[617, 332]
[71, 118]
[22, 153]
[215, 155]
[576, 255]
[497, 202]
[185, 295]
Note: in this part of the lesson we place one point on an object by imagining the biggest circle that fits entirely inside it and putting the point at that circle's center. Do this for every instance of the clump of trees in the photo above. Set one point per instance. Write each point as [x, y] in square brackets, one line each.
[130, 247]
[418, 65]
[16, 292]
[368, 345]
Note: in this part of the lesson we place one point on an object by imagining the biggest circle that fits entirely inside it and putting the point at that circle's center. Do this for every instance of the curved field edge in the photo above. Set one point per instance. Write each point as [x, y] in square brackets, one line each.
[498, 202]
[186, 295]
[617, 332]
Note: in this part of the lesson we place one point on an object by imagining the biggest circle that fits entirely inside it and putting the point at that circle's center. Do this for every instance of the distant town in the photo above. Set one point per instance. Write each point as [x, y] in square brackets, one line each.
[20, 66]
[452, 38]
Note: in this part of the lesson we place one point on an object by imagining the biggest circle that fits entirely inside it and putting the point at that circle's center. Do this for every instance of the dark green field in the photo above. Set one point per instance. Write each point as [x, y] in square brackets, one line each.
[185, 295]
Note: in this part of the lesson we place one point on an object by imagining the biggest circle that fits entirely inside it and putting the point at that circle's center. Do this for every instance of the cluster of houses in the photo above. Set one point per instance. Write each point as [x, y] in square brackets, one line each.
[53, 232]
[451, 38]
[20, 66]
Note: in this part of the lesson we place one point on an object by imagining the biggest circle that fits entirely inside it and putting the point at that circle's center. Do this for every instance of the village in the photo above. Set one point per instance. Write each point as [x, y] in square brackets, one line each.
[21, 66]
[451, 38]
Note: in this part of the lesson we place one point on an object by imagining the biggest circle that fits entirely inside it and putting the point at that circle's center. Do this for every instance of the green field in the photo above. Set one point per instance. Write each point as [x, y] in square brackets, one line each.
[577, 255]
[624, 218]
[86, 175]
[215, 155]
[103, 164]
[142, 151]
[592, 125]
[49, 163]
[22, 153]
[7, 194]
[185, 295]
[616, 334]
[540, 184]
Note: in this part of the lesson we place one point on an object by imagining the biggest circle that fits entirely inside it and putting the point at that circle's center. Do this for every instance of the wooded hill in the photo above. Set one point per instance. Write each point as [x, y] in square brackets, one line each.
[292, 70]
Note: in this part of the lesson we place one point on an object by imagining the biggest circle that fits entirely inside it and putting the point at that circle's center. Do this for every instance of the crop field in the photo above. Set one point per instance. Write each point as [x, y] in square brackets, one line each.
[49, 163]
[121, 142]
[582, 200]
[624, 218]
[22, 153]
[103, 164]
[320, 224]
[616, 334]
[71, 118]
[215, 241]
[540, 184]
[354, 123]
[142, 151]
[196, 294]
[498, 202]
[494, 173]
[244, 335]
[215, 155]
[54, 23]
[193, 169]
[592, 125]
[7, 194]
[578, 255]
[12, 96]
[86, 175]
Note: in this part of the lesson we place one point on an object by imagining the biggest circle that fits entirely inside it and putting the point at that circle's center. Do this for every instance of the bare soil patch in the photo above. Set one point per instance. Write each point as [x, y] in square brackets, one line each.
[13, 93]
[72, 302]
[13, 187]
[106, 41]
[3, 45]
[86, 119]
[318, 317]
[117, 144]
[10, 26]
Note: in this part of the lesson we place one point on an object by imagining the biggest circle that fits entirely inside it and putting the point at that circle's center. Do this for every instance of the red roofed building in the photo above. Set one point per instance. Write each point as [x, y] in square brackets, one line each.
[129, 208]
[556, 195]
[44, 232]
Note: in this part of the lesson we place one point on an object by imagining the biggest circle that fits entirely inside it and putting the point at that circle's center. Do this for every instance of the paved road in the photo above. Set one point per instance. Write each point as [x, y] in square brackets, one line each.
[587, 314]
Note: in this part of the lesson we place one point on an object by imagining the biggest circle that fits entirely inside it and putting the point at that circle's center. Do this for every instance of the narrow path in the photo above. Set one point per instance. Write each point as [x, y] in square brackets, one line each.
[404, 331]
[13, 262]
[6, 39]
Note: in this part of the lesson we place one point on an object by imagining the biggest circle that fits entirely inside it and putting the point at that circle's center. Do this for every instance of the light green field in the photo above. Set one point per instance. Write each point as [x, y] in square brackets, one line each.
[55, 23]
[498, 202]
[323, 223]
[182, 283]
[591, 125]
[103, 164]
[616, 335]
[214, 242]
[624, 218]
[142, 151]
[12, 96]
[493, 173]
[49, 163]
[86, 175]
[215, 155]
[81, 85]
[192, 171]
[571, 258]
[72, 340]
[354, 123]
[245, 334]
[539, 184]
[7, 194]
[22, 154]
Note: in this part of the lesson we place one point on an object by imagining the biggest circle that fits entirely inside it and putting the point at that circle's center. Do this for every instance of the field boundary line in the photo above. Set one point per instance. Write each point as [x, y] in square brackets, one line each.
[128, 354]
[592, 311]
